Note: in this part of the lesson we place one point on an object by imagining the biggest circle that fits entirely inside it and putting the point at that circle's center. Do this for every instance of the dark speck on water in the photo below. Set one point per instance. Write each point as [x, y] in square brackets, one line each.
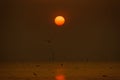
[86, 60]
[34, 74]
[61, 65]
[104, 76]
[110, 67]
[37, 65]
[49, 41]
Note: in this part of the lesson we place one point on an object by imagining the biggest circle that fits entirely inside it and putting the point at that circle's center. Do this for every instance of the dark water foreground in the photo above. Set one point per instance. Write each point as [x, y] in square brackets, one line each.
[60, 71]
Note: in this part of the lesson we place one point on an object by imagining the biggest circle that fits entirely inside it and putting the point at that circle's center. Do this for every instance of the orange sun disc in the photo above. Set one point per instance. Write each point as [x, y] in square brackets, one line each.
[59, 20]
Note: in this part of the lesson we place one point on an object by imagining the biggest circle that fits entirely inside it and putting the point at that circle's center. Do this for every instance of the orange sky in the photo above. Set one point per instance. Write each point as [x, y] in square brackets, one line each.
[91, 30]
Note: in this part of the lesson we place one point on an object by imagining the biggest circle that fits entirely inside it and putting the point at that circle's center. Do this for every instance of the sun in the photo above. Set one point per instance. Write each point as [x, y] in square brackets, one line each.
[59, 20]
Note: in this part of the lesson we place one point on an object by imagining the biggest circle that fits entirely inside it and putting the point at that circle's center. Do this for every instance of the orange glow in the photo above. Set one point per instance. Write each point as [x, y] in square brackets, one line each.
[60, 77]
[59, 20]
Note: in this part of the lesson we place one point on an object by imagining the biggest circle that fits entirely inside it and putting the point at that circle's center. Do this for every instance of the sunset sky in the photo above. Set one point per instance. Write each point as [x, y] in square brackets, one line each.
[91, 30]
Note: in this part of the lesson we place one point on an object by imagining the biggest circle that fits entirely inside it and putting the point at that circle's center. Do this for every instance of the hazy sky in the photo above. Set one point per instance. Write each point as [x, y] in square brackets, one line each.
[91, 31]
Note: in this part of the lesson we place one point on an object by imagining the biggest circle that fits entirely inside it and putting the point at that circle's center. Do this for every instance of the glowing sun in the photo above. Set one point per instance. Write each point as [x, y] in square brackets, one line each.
[59, 20]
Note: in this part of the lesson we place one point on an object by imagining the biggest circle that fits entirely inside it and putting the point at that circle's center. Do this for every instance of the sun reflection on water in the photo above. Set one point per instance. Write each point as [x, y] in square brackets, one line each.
[60, 74]
[60, 77]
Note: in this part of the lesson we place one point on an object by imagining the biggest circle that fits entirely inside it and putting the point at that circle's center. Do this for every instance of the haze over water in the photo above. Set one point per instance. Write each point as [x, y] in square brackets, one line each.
[86, 47]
